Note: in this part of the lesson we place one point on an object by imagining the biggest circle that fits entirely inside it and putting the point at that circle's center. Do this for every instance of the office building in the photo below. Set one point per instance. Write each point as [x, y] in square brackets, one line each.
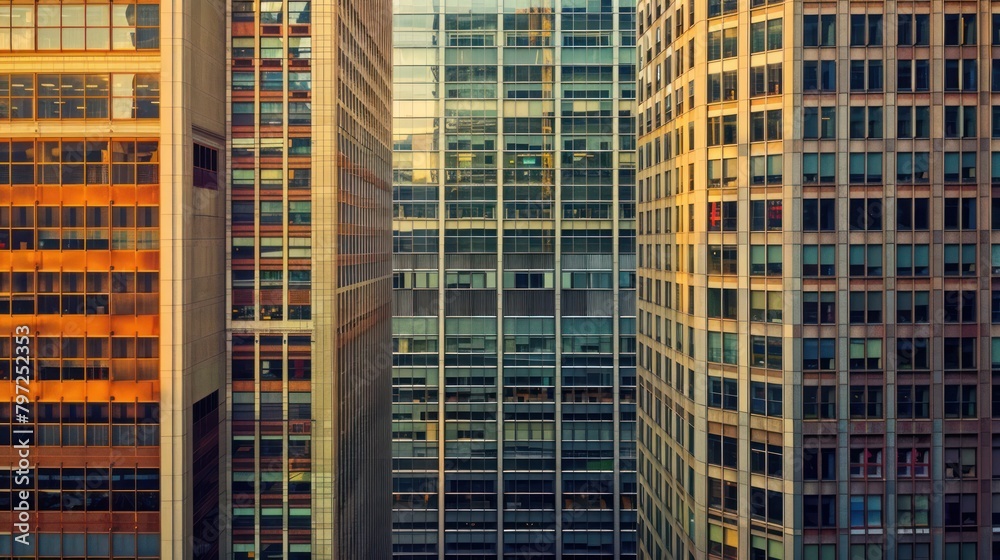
[310, 219]
[817, 383]
[513, 275]
[112, 229]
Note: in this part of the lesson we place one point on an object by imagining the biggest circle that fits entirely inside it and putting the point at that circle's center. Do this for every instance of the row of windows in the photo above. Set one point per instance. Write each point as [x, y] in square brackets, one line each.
[821, 168]
[77, 546]
[820, 76]
[820, 30]
[73, 27]
[54, 162]
[79, 96]
[819, 354]
[819, 214]
[820, 123]
[272, 12]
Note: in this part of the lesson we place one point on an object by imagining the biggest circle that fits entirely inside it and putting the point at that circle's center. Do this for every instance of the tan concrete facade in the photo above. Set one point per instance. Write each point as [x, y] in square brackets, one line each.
[815, 339]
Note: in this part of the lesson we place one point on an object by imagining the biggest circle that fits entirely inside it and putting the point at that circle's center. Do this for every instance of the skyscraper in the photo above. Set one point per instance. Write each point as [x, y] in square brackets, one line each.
[112, 346]
[310, 165]
[817, 383]
[513, 329]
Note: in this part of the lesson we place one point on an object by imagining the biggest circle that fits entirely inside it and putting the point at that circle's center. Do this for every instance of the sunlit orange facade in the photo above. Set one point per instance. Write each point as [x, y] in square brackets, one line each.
[112, 255]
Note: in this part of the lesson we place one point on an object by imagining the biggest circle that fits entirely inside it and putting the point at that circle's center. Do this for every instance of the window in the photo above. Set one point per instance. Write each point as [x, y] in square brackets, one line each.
[819, 353]
[721, 130]
[722, 86]
[960, 74]
[765, 459]
[913, 75]
[206, 167]
[913, 462]
[819, 168]
[819, 30]
[866, 462]
[723, 450]
[960, 166]
[960, 401]
[960, 260]
[866, 401]
[819, 122]
[912, 167]
[912, 260]
[723, 393]
[819, 402]
[722, 216]
[766, 505]
[722, 173]
[911, 354]
[765, 307]
[959, 306]
[914, 29]
[765, 260]
[765, 398]
[819, 308]
[723, 43]
[865, 214]
[766, 549]
[862, 127]
[819, 214]
[722, 259]
[961, 551]
[765, 170]
[959, 511]
[819, 511]
[960, 29]
[913, 510]
[765, 125]
[766, 80]
[865, 167]
[723, 495]
[913, 122]
[866, 30]
[865, 260]
[913, 401]
[715, 8]
[912, 307]
[819, 463]
[959, 462]
[722, 303]
[765, 215]
[765, 35]
[865, 354]
[959, 121]
[723, 542]
[866, 511]
[819, 260]
[866, 307]
[819, 76]
[912, 214]
[866, 75]
[723, 347]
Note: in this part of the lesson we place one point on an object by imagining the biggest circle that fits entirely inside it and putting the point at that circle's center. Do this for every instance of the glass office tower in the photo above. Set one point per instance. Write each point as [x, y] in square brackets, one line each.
[513, 330]
[310, 200]
[821, 383]
[112, 229]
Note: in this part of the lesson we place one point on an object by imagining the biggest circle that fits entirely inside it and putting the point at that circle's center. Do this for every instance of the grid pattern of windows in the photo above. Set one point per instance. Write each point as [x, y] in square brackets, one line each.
[514, 201]
[888, 236]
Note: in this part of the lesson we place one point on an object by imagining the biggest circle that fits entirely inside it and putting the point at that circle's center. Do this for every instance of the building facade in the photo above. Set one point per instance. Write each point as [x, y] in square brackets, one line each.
[309, 287]
[513, 275]
[820, 385]
[112, 288]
